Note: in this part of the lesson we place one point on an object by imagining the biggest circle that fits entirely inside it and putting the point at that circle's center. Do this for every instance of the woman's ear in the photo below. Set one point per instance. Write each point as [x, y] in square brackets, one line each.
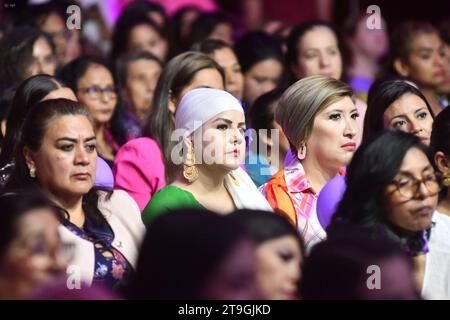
[442, 163]
[172, 103]
[28, 155]
[401, 67]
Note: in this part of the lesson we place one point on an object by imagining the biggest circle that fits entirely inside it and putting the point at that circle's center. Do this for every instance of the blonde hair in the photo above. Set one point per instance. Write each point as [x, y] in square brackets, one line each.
[302, 101]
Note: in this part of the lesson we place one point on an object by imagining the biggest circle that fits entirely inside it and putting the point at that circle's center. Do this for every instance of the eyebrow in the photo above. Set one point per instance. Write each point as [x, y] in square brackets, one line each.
[342, 111]
[75, 140]
[405, 116]
[229, 121]
[428, 167]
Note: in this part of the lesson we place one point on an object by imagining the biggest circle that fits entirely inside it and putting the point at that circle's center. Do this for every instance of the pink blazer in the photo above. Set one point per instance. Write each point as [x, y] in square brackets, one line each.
[139, 170]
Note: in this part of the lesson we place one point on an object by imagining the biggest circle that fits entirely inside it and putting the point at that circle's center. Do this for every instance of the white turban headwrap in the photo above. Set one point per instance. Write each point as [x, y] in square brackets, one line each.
[200, 105]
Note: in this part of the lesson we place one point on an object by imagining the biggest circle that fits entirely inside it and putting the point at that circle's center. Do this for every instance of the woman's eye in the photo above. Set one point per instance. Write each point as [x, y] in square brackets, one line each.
[237, 70]
[404, 182]
[333, 52]
[355, 115]
[310, 56]
[335, 116]
[285, 255]
[68, 147]
[398, 124]
[222, 127]
[38, 249]
[91, 147]
[425, 56]
[422, 115]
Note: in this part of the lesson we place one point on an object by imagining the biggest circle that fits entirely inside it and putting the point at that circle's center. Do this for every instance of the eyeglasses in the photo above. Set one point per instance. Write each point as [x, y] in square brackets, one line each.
[95, 92]
[408, 187]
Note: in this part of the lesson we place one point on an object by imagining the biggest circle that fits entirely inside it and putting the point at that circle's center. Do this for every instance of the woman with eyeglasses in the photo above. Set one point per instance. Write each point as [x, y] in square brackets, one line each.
[396, 196]
[57, 156]
[92, 81]
[31, 252]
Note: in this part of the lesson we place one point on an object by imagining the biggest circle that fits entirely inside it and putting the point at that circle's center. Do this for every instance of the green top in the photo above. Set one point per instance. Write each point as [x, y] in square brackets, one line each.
[167, 199]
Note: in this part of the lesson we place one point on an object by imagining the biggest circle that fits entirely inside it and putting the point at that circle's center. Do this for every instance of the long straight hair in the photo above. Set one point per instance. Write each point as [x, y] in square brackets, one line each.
[176, 75]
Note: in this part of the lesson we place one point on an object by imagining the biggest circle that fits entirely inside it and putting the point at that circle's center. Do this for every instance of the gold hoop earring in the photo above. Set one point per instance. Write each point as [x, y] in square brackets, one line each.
[190, 171]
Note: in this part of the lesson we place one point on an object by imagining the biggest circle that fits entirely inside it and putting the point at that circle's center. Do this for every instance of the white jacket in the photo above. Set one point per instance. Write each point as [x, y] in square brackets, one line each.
[124, 218]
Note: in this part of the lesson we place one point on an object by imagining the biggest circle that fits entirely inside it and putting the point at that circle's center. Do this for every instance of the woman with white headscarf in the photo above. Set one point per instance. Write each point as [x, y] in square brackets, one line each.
[210, 126]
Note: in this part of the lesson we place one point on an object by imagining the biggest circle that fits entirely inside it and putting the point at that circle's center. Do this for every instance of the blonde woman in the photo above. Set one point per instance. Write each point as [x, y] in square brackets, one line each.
[318, 117]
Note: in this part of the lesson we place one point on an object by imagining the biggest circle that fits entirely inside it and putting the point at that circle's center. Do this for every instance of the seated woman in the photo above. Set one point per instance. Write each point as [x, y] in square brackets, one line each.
[210, 124]
[279, 252]
[137, 75]
[31, 252]
[440, 146]
[57, 155]
[318, 117]
[418, 53]
[92, 81]
[33, 90]
[396, 196]
[398, 104]
[143, 166]
[314, 48]
[261, 58]
[195, 254]
[269, 146]
[343, 267]
[225, 56]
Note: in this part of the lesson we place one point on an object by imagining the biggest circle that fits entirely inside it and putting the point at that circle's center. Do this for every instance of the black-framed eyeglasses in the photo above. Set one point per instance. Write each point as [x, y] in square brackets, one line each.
[95, 92]
[408, 186]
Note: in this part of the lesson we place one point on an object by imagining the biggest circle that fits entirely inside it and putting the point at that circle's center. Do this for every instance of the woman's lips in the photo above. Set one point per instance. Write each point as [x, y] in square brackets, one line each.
[82, 176]
[439, 73]
[349, 146]
[423, 211]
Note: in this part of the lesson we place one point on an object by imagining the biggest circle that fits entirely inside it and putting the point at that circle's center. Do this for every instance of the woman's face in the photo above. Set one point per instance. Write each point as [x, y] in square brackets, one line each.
[97, 92]
[224, 32]
[205, 78]
[144, 38]
[426, 61]
[55, 26]
[372, 43]
[44, 62]
[410, 114]
[234, 80]
[234, 278]
[35, 257]
[66, 162]
[332, 141]
[412, 213]
[223, 140]
[318, 55]
[278, 268]
[262, 77]
[140, 85]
